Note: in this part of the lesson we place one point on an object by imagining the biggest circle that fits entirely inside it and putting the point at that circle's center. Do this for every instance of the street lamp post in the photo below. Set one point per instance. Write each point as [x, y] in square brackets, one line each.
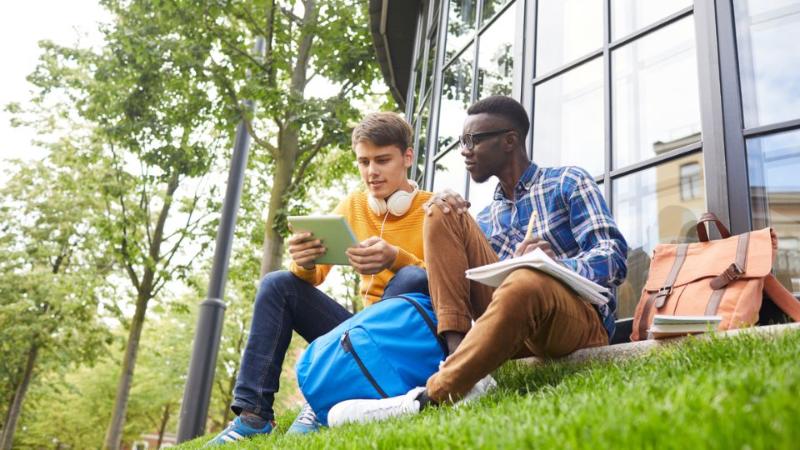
[197, 393]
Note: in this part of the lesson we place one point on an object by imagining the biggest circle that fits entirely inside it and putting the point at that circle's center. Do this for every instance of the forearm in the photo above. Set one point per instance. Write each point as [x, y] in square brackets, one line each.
[604, 264]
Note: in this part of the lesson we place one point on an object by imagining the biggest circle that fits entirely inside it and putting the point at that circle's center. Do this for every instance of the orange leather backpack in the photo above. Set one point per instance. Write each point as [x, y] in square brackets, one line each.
[726, 277]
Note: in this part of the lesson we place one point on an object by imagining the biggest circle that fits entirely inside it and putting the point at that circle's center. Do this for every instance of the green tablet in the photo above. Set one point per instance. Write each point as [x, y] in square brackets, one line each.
[334, 232]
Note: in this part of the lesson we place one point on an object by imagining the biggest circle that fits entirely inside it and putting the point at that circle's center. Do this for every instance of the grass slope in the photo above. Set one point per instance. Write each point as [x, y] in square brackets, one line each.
[742, 392]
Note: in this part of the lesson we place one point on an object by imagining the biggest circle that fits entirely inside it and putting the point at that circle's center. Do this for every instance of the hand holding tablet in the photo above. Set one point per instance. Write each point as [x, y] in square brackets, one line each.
[372, 256]
[333, 233]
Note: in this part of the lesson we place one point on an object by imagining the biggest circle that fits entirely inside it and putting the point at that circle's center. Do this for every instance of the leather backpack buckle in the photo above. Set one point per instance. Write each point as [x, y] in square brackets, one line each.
[732, 273]
[661, 296]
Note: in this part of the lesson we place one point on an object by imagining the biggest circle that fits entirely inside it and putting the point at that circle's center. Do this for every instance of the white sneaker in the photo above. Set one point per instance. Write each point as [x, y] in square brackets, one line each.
[362, 411]
[481, 388]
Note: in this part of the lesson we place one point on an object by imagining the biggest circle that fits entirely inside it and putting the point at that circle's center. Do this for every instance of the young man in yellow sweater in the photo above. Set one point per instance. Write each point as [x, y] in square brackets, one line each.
[387, 220]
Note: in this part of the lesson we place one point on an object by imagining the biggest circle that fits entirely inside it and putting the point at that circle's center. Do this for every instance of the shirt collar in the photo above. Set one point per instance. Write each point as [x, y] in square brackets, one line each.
[525, 182]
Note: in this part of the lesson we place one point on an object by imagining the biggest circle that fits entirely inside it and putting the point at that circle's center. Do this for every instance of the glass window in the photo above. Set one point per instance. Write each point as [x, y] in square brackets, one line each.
[568, 119]
[422, 141]
[490, 8]
[691, 181]
[767, 34]
[656, 102]
[419, 42]
[450, 172]
[629, 16]
[430, 64]
[460, 25]
[649, 209]
[567, 30]
[773, 165]
[481, 194]
[417, 87]
[456, 98]
[496, 57]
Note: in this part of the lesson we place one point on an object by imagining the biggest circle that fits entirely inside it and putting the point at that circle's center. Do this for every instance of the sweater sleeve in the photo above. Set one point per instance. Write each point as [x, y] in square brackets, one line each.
[405, 258]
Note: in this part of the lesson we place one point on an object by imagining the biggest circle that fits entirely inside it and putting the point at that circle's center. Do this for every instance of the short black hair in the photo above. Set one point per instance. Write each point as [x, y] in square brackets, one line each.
[506, 107]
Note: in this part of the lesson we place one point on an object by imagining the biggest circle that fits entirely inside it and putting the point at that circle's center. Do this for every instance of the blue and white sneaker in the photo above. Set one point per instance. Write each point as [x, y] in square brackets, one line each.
[306, 422]
[238, 430]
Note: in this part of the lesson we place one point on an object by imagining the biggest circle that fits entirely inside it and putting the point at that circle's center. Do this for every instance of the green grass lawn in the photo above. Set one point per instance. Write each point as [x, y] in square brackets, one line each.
[737, 393]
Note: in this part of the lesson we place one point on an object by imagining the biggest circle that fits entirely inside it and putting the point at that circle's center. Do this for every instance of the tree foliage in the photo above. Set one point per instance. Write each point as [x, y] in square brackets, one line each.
[51, 275]
[156, 106]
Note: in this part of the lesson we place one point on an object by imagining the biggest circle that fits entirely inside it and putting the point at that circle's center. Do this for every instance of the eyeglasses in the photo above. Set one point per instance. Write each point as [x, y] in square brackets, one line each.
[470, 140]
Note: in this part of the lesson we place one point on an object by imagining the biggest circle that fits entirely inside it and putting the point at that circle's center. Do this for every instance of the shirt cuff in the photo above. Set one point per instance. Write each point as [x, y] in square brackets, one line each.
[308, 275]
[403, 259]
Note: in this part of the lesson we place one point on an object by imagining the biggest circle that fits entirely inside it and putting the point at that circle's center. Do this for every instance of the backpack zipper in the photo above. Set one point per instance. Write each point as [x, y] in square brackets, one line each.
[428, 321]
[348, 347]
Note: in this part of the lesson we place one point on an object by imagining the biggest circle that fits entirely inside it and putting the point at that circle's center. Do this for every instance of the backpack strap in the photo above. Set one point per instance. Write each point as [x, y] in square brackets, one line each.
[732, 273]
[781, 296]
[702, 234]
[660, 296]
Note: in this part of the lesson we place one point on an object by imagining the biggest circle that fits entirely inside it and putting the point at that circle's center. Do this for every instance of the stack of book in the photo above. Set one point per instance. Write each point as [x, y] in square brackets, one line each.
[494, 274]
[671, 326]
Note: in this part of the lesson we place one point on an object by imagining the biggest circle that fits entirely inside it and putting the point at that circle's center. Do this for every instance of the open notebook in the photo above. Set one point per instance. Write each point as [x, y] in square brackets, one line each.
[494, 274]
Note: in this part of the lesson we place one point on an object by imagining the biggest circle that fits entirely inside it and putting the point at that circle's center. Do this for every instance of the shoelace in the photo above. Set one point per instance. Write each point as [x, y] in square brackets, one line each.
[307, 415]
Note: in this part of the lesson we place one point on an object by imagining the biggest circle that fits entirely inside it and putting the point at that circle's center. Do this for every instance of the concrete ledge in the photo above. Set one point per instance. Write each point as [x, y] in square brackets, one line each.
[633, 349]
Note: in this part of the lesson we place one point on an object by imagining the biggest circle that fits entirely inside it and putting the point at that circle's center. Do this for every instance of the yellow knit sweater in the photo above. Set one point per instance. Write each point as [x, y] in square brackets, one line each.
[404, 232]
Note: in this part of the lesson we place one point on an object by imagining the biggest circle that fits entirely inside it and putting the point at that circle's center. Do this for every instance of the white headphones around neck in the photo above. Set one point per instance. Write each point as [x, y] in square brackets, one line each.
[396, 204]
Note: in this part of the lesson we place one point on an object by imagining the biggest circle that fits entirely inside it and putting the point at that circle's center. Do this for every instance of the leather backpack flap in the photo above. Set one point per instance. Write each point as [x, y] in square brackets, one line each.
[711, 276]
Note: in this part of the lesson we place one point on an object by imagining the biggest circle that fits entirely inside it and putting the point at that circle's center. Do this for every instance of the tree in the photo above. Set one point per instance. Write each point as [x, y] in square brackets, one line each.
[50, 276]
[162, 97]
[154, 114]
[83, 407]
[157, 391]
[294, 127]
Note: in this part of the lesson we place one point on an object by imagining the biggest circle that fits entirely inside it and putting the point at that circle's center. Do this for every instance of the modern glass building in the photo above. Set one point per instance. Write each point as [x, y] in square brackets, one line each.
[677, 107]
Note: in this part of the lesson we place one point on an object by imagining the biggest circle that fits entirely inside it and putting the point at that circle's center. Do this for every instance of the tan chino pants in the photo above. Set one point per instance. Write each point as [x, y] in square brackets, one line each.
[531, 313]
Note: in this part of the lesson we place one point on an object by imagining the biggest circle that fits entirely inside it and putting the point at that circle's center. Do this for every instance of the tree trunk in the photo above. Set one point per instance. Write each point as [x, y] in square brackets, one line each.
[288, 145]
[226, 411]
[15, 409]
[270, 60]
[163, 427]
[281, 182]
[113, 438]
[355, 284]
[9, 403]
[114, 434]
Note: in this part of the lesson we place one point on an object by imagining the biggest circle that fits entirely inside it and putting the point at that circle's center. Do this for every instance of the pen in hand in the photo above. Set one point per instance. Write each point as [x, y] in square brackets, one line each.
[530, 243]
[531, 224]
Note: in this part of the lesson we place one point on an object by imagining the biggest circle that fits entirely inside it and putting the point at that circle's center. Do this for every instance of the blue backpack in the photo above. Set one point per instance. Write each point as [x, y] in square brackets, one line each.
[383, 351]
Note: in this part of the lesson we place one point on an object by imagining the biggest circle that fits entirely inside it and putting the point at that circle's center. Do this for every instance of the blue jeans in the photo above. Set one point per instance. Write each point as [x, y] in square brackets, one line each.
[285, 303]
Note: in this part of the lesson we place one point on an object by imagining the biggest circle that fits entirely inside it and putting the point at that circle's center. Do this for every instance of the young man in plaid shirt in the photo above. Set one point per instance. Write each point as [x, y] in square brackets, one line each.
[530, 313]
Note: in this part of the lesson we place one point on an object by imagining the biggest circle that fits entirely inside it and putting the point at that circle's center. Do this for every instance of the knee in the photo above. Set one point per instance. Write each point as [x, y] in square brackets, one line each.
[408, 279]
[278, 281]
[528, 282]
[525, 288]
[416, 278]
[437, 221]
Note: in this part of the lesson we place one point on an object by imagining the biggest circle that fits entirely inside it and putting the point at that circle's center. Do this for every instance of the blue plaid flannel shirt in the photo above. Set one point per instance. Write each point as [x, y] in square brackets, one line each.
[572, 216]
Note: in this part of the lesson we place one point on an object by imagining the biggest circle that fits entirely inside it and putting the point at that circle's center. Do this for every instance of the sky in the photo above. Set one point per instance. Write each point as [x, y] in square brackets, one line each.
[22, 25]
